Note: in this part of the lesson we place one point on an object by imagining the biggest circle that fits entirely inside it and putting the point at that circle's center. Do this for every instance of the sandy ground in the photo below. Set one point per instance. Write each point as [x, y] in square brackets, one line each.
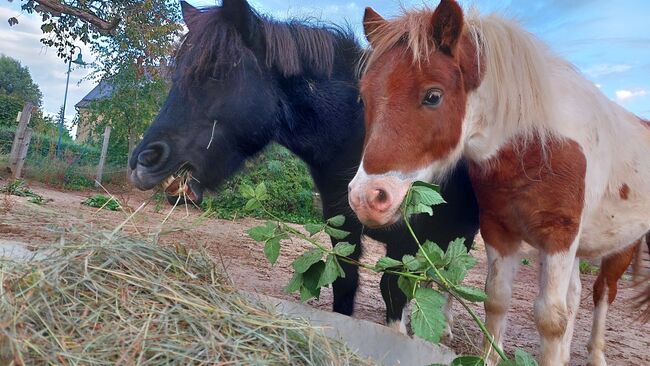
[628, 342]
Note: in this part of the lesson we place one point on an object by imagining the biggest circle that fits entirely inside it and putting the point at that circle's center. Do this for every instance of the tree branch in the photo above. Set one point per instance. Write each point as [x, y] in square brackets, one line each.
[56, 7]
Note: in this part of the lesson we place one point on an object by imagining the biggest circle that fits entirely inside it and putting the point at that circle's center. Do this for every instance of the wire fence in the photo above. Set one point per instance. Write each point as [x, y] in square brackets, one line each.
[75, 167]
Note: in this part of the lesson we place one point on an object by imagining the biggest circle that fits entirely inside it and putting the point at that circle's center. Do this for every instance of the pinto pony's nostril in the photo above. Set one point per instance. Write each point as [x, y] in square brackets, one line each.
[154, 154]
[379, 199]
[381, 195]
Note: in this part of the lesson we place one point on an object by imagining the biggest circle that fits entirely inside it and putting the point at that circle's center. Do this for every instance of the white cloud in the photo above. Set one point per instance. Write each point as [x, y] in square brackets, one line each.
[625, 95]
[22, 42]
[606, 69]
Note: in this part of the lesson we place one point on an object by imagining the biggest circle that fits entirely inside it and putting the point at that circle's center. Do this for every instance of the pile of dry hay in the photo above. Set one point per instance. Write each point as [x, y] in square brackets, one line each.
[125, 302]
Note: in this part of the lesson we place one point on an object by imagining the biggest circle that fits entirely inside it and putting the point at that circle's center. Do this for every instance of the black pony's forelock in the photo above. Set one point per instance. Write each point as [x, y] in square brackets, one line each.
[292, 48]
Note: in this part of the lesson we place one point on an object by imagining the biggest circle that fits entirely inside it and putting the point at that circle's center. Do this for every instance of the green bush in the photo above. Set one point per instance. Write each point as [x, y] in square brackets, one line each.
[287, 179]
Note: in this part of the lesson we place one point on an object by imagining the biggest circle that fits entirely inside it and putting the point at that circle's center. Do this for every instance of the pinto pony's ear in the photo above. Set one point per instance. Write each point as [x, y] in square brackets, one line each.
[447, 25]
[243, 18]
[371, 22]
[190, 14]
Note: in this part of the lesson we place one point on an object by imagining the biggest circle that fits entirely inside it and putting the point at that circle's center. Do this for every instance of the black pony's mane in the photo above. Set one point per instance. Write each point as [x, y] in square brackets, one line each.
[293, 47]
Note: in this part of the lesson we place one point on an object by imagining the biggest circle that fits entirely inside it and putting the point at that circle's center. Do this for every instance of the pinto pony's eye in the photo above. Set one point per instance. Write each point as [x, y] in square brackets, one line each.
[432, 98]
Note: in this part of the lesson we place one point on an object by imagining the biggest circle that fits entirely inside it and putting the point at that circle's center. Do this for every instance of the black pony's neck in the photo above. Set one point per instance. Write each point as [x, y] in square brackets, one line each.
[321, 118]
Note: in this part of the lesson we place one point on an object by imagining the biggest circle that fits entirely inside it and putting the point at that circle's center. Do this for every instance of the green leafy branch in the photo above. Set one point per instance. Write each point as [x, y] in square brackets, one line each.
[321, 266]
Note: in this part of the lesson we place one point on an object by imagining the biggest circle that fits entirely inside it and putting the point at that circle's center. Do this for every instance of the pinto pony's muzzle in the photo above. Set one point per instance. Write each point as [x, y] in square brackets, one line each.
[376, 199]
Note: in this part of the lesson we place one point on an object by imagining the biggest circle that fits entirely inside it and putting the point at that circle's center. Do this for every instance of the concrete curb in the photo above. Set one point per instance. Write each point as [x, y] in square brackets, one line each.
[385, 345]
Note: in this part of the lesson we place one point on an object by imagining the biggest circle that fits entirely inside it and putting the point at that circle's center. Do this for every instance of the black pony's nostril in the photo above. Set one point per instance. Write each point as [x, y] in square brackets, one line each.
[155, 154]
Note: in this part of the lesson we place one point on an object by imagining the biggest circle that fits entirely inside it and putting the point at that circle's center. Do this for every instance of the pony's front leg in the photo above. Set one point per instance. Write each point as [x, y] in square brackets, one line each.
[502, 269]
[552, 315]
[573, 305]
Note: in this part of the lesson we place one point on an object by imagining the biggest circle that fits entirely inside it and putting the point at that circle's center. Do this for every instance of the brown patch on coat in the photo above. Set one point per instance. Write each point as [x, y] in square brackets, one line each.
[526, 195]
[611, 270]
[624, 191]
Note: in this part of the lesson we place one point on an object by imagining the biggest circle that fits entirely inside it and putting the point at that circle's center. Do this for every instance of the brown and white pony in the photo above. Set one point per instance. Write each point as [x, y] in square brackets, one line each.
[554, 163]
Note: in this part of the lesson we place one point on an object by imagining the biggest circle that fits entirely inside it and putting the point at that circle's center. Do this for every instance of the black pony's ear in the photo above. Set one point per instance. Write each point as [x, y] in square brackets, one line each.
[243, 18]
[190, 14]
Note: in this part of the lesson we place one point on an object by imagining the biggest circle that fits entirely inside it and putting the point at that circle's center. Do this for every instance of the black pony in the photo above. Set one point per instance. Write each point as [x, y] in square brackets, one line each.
[243, 81]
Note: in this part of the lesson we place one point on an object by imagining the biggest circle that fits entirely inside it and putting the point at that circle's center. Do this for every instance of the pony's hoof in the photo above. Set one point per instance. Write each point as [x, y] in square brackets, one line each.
[597, 359]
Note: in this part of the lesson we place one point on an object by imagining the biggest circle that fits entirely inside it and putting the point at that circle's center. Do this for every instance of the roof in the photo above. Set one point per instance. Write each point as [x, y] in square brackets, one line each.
[103, 90]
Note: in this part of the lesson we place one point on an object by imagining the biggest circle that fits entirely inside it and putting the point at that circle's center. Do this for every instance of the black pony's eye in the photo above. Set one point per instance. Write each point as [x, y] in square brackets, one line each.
[432, 98]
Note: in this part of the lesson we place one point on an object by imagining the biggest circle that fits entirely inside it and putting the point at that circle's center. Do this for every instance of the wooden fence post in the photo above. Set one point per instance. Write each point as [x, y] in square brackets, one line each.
[19, 141]
[22, 154]
[102, 158]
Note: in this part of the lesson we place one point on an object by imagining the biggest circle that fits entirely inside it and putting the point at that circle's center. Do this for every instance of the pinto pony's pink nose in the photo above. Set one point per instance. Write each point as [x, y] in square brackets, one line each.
[376, 200]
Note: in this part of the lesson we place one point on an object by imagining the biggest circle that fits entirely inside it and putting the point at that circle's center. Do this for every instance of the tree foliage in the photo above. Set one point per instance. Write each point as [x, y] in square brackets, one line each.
[17, 88]
[132, 43]
[16, 81]
[129, 110]
[128, 28]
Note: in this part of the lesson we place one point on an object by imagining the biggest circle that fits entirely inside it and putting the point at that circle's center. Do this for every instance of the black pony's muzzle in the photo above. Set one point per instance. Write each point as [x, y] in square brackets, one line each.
[150, 165]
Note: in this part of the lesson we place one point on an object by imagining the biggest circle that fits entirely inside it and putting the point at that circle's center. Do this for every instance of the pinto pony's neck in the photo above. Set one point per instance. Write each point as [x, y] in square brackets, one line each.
[516, 96]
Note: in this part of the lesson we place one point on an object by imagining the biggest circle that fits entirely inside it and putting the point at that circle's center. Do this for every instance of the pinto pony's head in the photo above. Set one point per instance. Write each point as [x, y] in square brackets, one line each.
[415, 90]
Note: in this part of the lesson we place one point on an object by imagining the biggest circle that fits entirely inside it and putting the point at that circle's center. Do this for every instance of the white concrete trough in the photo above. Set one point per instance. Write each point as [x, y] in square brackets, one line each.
[377, 342]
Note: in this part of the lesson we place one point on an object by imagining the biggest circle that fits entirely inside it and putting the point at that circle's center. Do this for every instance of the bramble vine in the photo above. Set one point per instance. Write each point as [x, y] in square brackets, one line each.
[320, 267]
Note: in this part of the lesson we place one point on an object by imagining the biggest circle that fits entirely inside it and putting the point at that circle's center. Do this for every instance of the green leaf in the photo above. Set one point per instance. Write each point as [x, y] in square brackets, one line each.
[454, 274]
[272, 249]
[386, 262]
[247, 191]
[307, 293]
[314, 229]
[407, 285]
[467, 361]
[344, 249]
[262, 233]
[260, 191]
[336, 221]
[330, 273]
[522, 358]
[252, 204]
[420, 198]
[295, 283]
[457, 255]
[433, 252]
[413, 264]
[305, 261]
[311, 278]
[336, 233]
[427, 318]
[428, 194]
[470, 293]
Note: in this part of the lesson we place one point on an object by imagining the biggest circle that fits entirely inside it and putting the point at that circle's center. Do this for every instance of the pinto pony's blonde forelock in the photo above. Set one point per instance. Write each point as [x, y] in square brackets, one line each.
[514, 66]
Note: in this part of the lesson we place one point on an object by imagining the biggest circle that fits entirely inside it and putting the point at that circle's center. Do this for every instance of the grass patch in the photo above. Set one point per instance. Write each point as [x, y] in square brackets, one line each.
[287, 180]
[19, 188]
[103, 202]
[587, 268]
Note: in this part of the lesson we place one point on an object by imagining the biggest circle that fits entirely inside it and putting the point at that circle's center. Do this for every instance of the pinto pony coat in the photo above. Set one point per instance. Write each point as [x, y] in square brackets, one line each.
[553, 162]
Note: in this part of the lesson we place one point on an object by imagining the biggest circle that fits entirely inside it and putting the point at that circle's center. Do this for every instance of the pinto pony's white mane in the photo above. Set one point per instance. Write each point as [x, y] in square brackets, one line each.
[516, 73]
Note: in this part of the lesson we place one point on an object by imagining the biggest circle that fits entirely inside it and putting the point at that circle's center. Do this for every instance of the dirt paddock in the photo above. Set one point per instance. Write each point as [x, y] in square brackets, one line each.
[628, 342]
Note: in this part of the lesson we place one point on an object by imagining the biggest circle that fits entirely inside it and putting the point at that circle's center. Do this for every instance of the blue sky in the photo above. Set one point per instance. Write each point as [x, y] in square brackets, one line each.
[609, 41]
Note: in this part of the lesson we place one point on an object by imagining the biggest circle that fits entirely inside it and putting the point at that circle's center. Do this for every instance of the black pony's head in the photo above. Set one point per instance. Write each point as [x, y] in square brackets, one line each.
[224, 105]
